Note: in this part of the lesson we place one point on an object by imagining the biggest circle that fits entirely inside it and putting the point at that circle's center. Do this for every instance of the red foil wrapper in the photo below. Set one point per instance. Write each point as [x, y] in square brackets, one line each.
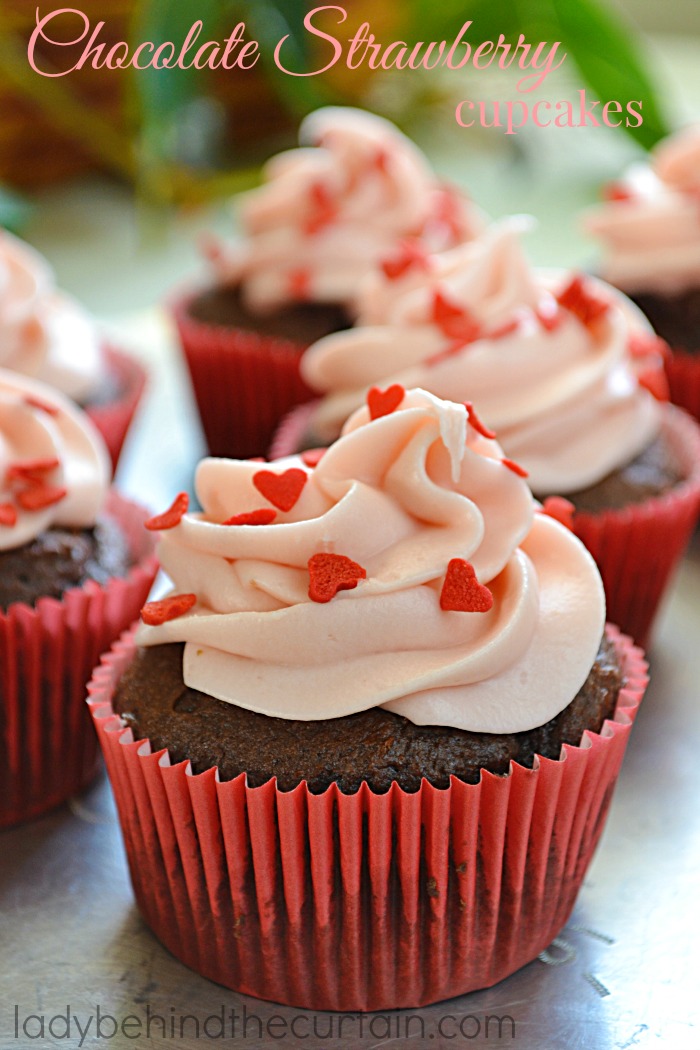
[113, 418]
[48, 748]
[364, 901]
[244, 383]
[683, 374]
[638, 547]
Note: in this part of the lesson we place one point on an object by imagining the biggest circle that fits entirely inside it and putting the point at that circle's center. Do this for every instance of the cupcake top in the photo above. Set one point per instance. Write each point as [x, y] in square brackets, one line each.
[54, 469]
[44, 333]
[332, 209]
[405, 568]
[552, 359]
[650, 223]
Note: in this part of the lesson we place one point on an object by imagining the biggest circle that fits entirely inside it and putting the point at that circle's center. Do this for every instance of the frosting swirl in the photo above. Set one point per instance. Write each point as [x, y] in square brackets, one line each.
[44, 333]
[54, 468]
[401, 496]
[547, 359]
[650, 223]
[332, 209]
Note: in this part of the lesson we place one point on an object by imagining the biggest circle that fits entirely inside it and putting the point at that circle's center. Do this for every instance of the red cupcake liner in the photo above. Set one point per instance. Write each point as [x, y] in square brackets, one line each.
[364, 901]
[113, 419]
[244, 383]
[638, 547]
[48, 748]
[683, 374]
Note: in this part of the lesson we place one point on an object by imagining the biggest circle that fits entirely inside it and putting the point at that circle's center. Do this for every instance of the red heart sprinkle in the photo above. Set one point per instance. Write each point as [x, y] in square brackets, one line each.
[8, 515]
[330, 573]
[588, 307]
[476, 423]
[323, 209]
[461, 591]
[313, 456]
[40, 496]
[264, 516]
[299, 284]
[615, 191]
[281, 490]
[645, 344]
[409, 256]
[384, 402]
[43, 406]
[454, 321]
[156, 613]
[170, 517]
[31, 469]
[515, 467]
[654, 380]
[562, 510]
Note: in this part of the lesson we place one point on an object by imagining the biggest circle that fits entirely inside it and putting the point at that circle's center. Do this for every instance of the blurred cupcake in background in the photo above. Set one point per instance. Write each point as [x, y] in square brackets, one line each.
[326, 215]
[649, 232]
[363, 752]
[46, 335]
[75, 567]
[567, 374]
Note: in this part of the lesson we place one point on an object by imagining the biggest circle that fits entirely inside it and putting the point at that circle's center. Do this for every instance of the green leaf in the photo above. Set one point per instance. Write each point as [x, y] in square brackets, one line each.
[603, 48]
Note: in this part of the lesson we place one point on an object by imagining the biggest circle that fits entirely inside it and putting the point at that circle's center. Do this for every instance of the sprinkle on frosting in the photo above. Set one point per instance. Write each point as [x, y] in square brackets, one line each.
[156, 613]
[406, 523]
[281, 490]
[383, 402]
[548, 364]
[410, 255]
[311, 457]
[515, 467]
[462, 592]
[330, 573]
[475, 422]
[54, 468]
[261, 516]
[354, 193]
[649, 224]
[170, 517]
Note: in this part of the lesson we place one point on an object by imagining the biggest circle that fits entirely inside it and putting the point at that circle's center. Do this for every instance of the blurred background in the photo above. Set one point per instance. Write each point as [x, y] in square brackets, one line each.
[112, 173]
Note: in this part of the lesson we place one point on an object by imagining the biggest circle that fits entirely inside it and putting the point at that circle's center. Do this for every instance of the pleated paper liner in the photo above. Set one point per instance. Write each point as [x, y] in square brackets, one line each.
[113, 418]
[244, 383]
[638, 547]
[364, 901]
[683, 374]
[48, 748]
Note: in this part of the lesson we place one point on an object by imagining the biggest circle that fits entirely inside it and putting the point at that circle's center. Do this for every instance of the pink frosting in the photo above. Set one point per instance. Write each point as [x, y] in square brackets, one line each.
[340, 204]
[561, 391]
[44, 334]
[401, 496]
[49, 449]
[650, 225]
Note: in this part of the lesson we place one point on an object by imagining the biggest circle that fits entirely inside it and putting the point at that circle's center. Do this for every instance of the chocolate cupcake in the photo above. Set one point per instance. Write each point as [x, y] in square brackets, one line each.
[46, 335]
[74, 569]
[567, 373]
[384, 641]
[326, 215]
[649, 229]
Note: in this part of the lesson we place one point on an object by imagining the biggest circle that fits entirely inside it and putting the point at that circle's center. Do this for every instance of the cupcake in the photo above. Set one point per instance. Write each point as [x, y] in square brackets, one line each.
[649, 230]
[46, 335]
[326, 214]
[363, 751]
[75, 567]
[564, 369]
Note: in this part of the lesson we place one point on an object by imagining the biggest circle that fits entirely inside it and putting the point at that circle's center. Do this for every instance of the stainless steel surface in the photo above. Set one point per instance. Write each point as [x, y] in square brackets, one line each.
[624, 973]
